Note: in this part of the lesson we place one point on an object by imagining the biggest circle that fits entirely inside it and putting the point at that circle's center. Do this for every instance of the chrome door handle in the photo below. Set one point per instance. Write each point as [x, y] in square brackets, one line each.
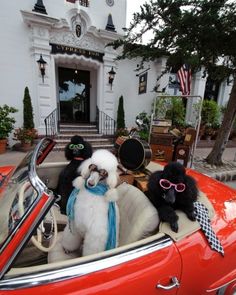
[175, 284]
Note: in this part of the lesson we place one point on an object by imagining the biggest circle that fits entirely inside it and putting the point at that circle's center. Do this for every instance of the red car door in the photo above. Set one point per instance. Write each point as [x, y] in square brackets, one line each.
[153, 268]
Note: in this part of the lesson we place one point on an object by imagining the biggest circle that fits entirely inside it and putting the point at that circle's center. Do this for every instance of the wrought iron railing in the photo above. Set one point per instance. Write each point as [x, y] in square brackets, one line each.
[84, 3]
[51, 124]
[105, 124]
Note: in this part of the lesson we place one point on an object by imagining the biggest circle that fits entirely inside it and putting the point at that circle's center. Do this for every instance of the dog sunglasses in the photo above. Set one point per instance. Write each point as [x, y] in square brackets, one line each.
[166, 184]
[102, 172]
[78, 146]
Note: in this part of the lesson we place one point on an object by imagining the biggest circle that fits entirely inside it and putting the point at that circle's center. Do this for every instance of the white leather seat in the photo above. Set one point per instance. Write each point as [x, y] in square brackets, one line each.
[138, 217]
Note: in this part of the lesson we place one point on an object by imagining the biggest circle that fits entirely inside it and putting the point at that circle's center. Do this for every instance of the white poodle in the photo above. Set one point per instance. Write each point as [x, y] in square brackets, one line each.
[93, 214]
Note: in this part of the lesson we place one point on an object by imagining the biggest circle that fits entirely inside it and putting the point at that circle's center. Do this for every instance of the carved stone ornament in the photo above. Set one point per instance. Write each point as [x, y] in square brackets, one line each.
[78, 30]
[110, 2]
[71, 39]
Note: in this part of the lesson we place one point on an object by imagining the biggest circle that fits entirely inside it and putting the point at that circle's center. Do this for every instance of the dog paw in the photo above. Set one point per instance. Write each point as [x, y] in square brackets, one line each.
[191, 216]
[111, 195]
[174, 226]
[78, 182]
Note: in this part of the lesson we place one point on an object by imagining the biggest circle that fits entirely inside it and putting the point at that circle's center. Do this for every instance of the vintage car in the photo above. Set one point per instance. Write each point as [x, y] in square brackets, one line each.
[151, 259]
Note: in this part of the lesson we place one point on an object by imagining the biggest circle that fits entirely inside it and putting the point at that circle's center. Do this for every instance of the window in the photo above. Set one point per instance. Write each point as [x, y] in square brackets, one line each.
[81, 2]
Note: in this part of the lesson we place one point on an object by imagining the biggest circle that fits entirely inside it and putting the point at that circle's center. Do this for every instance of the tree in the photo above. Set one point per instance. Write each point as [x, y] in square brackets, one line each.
[196, 32]
[27, 111]
[121, 114]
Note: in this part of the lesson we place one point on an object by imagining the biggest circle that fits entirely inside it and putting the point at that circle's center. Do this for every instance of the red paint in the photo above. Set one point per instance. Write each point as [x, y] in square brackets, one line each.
[191, 260]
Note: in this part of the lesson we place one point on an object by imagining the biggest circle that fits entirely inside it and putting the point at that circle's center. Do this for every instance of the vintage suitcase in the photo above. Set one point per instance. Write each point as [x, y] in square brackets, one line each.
[182, 153]
[160, 129]
[162, 139]
[162, 122]
[162, 152]
[190, 136]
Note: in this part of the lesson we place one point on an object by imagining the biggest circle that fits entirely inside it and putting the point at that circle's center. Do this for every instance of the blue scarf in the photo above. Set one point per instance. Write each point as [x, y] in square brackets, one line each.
[98, 190]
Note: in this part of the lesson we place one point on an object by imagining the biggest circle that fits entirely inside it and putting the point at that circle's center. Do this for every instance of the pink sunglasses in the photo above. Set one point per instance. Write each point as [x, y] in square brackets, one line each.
[166, 184]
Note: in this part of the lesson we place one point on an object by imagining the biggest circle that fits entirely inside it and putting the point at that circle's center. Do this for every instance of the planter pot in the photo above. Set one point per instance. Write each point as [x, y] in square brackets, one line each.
[26, 146]
[3, 144]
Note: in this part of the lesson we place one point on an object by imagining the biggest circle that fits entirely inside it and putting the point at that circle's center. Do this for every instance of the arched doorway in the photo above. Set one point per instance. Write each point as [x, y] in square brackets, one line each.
[74, 95]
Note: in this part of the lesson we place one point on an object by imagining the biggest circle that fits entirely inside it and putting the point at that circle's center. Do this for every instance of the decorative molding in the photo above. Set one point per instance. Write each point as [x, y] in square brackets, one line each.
[109, 35]
[36, 18]
[70, 39]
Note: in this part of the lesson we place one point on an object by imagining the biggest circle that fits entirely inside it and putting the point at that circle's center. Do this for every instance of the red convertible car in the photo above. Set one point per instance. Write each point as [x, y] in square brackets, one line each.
[150, 259]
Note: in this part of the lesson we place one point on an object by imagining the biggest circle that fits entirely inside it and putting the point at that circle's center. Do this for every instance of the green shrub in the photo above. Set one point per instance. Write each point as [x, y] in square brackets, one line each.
[210, 113]
[120, 114]
[171, 108]
[6, 122]
[27, 111]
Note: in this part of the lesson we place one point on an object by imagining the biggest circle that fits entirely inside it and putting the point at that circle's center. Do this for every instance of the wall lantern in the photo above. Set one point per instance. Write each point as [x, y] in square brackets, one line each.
[42, 64]
[111, 76]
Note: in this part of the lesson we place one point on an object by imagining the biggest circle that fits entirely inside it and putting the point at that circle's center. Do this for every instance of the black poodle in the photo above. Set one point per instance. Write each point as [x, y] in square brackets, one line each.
[172, 189]
[76, 152]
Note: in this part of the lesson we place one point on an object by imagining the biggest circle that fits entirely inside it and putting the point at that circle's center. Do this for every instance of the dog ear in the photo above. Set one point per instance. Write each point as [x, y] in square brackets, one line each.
[68, 153]
[112, 179]
[111, 195]
[87, 151]
[191, 187]
[78, 182]
[84, 168]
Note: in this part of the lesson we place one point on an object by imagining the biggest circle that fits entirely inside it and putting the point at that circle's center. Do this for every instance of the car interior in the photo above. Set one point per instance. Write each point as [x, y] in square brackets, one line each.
[139, 225]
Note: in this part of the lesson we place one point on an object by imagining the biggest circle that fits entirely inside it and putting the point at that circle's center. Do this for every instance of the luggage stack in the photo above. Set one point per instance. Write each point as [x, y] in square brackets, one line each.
[161, 140]
[169, 144]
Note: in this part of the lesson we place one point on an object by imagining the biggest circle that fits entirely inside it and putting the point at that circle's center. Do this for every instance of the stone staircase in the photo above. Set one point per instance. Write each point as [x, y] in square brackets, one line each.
[88, 131]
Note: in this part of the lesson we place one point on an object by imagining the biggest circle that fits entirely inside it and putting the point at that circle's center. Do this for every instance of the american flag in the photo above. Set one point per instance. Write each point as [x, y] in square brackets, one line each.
[185, 76]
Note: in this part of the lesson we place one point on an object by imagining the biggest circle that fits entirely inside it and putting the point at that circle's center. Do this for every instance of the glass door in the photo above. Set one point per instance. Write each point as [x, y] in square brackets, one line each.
[74, 93]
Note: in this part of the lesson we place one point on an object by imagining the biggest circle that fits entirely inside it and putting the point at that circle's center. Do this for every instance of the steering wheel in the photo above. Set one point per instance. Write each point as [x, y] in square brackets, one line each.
[38, 241]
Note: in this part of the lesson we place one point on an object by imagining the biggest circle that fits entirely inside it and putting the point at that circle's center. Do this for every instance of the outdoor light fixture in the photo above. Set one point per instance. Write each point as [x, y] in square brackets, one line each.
[111, 76]
[42, 64]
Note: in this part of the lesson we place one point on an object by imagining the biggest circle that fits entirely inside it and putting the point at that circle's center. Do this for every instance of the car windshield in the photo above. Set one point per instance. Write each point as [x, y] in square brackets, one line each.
[17, 187]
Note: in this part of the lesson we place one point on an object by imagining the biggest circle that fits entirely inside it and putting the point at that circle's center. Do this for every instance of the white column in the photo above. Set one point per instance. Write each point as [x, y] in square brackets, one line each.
[198, 89]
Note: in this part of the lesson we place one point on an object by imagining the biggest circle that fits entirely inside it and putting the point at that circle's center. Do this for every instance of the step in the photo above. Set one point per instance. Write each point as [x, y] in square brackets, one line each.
[78, 125]
[91, 140]
[86, 136]
[78, 130]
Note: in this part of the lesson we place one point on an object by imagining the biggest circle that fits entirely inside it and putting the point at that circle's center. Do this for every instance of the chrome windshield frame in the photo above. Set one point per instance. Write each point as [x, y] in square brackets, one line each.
[41, 189]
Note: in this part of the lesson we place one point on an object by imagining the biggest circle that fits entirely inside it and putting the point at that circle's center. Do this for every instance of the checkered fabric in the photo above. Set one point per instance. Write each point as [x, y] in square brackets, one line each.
[201, 213]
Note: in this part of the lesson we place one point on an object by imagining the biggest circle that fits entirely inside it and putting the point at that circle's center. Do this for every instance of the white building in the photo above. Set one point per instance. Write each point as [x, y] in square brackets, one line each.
[71, 36]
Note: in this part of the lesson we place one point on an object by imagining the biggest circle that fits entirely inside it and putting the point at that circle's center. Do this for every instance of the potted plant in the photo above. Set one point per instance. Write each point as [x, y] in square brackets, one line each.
[27, 133]
[6, 125]
[25, 136]
[208, 131]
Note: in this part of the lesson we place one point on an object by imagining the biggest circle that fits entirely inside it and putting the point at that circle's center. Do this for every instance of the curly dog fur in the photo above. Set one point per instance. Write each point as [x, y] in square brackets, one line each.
[88, 229]
[76, 152]
[167, 200]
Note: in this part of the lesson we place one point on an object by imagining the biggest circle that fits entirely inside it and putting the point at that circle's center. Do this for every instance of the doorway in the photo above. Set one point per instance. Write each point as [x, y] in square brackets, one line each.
[74, 95]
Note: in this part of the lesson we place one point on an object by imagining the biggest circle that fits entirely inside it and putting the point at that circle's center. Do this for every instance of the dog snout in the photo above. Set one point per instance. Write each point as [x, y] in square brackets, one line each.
[170, 196]
[91, 183]
[93, 179]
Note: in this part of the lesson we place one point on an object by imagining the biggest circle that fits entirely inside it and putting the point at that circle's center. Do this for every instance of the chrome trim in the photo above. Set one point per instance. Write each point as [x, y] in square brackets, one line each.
[175, 284]
[33, 176]
[56, 275]
[221, 286]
